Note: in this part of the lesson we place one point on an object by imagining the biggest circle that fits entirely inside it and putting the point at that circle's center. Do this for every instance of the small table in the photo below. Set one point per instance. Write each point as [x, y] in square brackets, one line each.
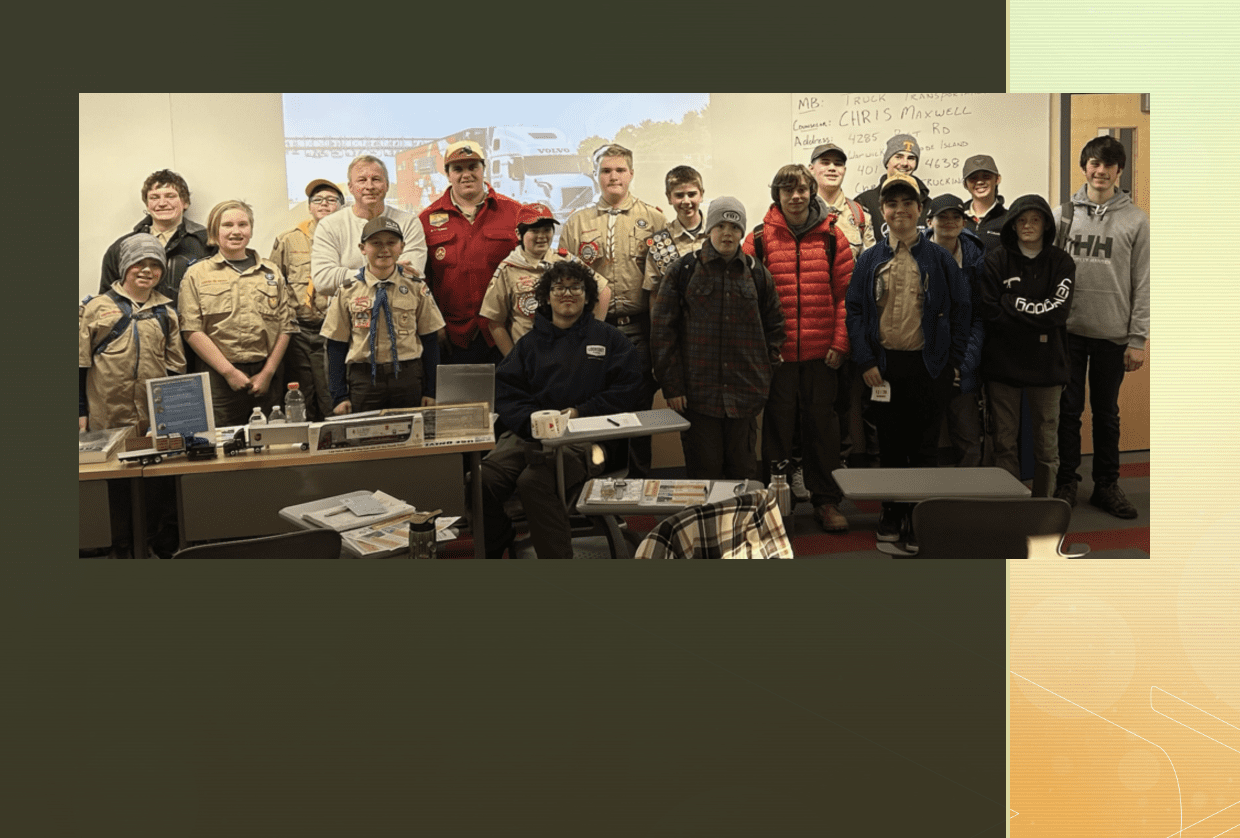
[911, 485]
[916, 484]
[663, 420]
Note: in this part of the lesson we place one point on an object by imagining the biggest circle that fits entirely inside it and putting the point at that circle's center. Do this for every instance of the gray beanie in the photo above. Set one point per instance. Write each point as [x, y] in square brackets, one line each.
[725, 209]
[902, 142]
[141, 246]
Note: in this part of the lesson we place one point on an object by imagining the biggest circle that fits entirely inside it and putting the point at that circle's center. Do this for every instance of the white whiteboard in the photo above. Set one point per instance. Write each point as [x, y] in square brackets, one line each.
[1014, 129]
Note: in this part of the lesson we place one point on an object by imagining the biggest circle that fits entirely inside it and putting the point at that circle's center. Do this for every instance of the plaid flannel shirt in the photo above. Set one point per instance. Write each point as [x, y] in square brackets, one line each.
[745, 527]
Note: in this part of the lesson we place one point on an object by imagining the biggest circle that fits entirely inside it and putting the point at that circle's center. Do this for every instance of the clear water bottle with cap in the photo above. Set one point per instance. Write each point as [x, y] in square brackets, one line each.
[276, 417]
[295, 403]
[257, 417]
[779, 485]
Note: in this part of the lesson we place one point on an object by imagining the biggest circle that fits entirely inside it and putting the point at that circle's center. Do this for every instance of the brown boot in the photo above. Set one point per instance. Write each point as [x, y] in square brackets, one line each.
[830, 518]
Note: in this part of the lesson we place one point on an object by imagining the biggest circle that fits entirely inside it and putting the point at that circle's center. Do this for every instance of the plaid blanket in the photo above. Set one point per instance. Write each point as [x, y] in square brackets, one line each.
[744, 527]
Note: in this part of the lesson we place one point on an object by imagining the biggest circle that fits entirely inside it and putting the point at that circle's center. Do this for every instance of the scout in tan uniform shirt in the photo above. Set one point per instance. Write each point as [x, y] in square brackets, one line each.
[684, 233]
[237, 314]
[113, 373]
[509, 301]
[306, 359]
[614, 237]
[381, 308]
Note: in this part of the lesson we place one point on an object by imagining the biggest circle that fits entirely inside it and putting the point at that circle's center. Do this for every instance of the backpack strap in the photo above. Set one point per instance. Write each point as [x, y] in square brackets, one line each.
[159, 312]
[1065, 223]
[757, 242]
[859, 214]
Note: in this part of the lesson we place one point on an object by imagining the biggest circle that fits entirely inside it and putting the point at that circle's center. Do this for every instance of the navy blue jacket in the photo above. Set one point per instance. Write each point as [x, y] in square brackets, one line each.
[590, 365]
[946, 310]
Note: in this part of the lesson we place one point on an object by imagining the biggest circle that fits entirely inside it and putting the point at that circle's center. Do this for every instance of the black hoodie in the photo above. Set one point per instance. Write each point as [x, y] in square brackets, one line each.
[1024, 304]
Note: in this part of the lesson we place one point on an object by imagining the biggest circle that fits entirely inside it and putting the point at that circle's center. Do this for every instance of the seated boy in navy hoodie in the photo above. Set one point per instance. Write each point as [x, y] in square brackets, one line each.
[908, 316]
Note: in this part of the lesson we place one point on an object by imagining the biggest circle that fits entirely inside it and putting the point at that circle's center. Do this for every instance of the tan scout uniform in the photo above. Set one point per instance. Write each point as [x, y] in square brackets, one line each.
[414, 313]
[847, 223]
[510, 296]
[244, 314]
[115, 393]
[617, 251]
[305, 361]
[291, 254]
[669, 246]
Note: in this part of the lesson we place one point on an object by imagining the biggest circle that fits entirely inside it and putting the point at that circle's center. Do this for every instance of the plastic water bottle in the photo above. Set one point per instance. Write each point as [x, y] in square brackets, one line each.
[257, 417]
[276, 417]
[295, 403]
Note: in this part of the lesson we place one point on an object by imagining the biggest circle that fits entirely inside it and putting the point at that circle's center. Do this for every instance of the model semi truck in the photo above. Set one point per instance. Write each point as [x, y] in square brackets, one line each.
[526, 164]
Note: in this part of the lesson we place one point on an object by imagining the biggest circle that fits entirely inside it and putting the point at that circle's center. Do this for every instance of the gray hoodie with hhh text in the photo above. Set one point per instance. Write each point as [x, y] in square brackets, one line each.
[1110, 243]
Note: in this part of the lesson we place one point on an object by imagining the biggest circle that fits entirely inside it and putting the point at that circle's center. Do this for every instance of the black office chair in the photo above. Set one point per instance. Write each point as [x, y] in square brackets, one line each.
[308, 544]
[990, 528]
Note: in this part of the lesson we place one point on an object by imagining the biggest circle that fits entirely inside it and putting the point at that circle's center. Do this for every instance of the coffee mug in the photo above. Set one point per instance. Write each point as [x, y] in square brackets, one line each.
[548, 424]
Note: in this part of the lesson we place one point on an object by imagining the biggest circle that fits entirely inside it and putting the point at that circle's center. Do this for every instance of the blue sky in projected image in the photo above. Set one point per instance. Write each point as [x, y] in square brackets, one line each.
[579, 115]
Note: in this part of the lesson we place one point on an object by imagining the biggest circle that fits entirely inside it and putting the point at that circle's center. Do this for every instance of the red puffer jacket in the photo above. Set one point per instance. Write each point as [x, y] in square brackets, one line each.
[811, 285]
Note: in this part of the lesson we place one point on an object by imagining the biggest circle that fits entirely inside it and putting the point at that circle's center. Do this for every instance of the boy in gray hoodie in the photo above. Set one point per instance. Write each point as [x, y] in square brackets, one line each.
[1109, 238]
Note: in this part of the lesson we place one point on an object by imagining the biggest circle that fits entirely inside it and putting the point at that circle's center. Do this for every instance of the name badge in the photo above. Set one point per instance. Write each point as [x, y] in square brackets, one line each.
[881, 393]
[596, 350]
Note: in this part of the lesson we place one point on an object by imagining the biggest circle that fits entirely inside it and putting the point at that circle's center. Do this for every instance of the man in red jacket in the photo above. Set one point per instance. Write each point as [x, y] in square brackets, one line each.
[811, 262]
[469, 231]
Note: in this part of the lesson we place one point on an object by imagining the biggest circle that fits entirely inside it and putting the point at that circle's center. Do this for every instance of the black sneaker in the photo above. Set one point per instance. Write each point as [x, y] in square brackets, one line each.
[889, 525]
[1110, 498]
[1067, 491]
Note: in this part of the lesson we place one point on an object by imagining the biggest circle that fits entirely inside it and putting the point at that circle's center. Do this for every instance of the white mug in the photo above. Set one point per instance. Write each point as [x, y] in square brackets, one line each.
[548, 424]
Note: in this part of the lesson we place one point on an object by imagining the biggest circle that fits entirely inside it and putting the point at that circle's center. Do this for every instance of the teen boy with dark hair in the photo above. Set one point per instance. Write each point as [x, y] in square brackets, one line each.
[908, 321]
[983, 209]
[1109, 238]
[811, 263]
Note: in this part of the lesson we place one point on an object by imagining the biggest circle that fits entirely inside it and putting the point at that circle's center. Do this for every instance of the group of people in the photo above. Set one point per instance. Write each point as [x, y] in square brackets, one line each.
[830, 317]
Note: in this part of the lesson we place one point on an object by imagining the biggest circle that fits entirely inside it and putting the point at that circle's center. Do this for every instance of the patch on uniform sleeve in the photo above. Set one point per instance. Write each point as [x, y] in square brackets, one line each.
[588, 251]
[404, 289]
[596, 350]
[641, 222]
[438, 219]
[440, 252]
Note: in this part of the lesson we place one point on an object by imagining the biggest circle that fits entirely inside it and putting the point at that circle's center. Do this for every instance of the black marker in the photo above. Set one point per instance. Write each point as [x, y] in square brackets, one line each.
[613, 421]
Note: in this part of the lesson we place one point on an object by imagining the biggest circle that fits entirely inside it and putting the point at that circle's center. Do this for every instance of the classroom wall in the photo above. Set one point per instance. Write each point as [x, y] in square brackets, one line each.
[231, 145]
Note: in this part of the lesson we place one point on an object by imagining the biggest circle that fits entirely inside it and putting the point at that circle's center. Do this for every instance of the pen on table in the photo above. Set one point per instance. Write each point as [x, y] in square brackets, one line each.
[613, 421]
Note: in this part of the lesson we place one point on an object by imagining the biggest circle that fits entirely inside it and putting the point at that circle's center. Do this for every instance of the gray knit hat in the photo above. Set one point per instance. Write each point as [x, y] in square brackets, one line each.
[141, 246]
[902, 142]
[725, 209]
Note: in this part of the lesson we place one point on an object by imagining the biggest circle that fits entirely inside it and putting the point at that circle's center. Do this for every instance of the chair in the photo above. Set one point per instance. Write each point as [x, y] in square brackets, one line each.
[748, 526]
[993, 528]
[307, 544]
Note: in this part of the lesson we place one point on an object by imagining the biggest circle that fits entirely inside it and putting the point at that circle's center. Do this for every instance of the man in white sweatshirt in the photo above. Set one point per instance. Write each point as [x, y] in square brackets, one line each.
[1109, 238]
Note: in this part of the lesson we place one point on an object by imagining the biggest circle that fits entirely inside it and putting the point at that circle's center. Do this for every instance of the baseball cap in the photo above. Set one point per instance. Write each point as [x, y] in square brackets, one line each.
[462, 151]
[318, 183]
[533, 213]
[823, 149]
[898, 178]
[944, 202]
[979, 163]
[382, 224]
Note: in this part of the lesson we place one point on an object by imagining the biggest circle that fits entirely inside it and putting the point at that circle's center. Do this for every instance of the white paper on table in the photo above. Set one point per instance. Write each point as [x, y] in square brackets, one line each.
[603, 423]
[724, 490]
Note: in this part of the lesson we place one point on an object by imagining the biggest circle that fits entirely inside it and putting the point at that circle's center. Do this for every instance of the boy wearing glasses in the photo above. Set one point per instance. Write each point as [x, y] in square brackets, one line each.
[571, 362]
[305, 361]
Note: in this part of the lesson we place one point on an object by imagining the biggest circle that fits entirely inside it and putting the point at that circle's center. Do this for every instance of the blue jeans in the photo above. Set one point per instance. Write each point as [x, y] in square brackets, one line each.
[1102, 362]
